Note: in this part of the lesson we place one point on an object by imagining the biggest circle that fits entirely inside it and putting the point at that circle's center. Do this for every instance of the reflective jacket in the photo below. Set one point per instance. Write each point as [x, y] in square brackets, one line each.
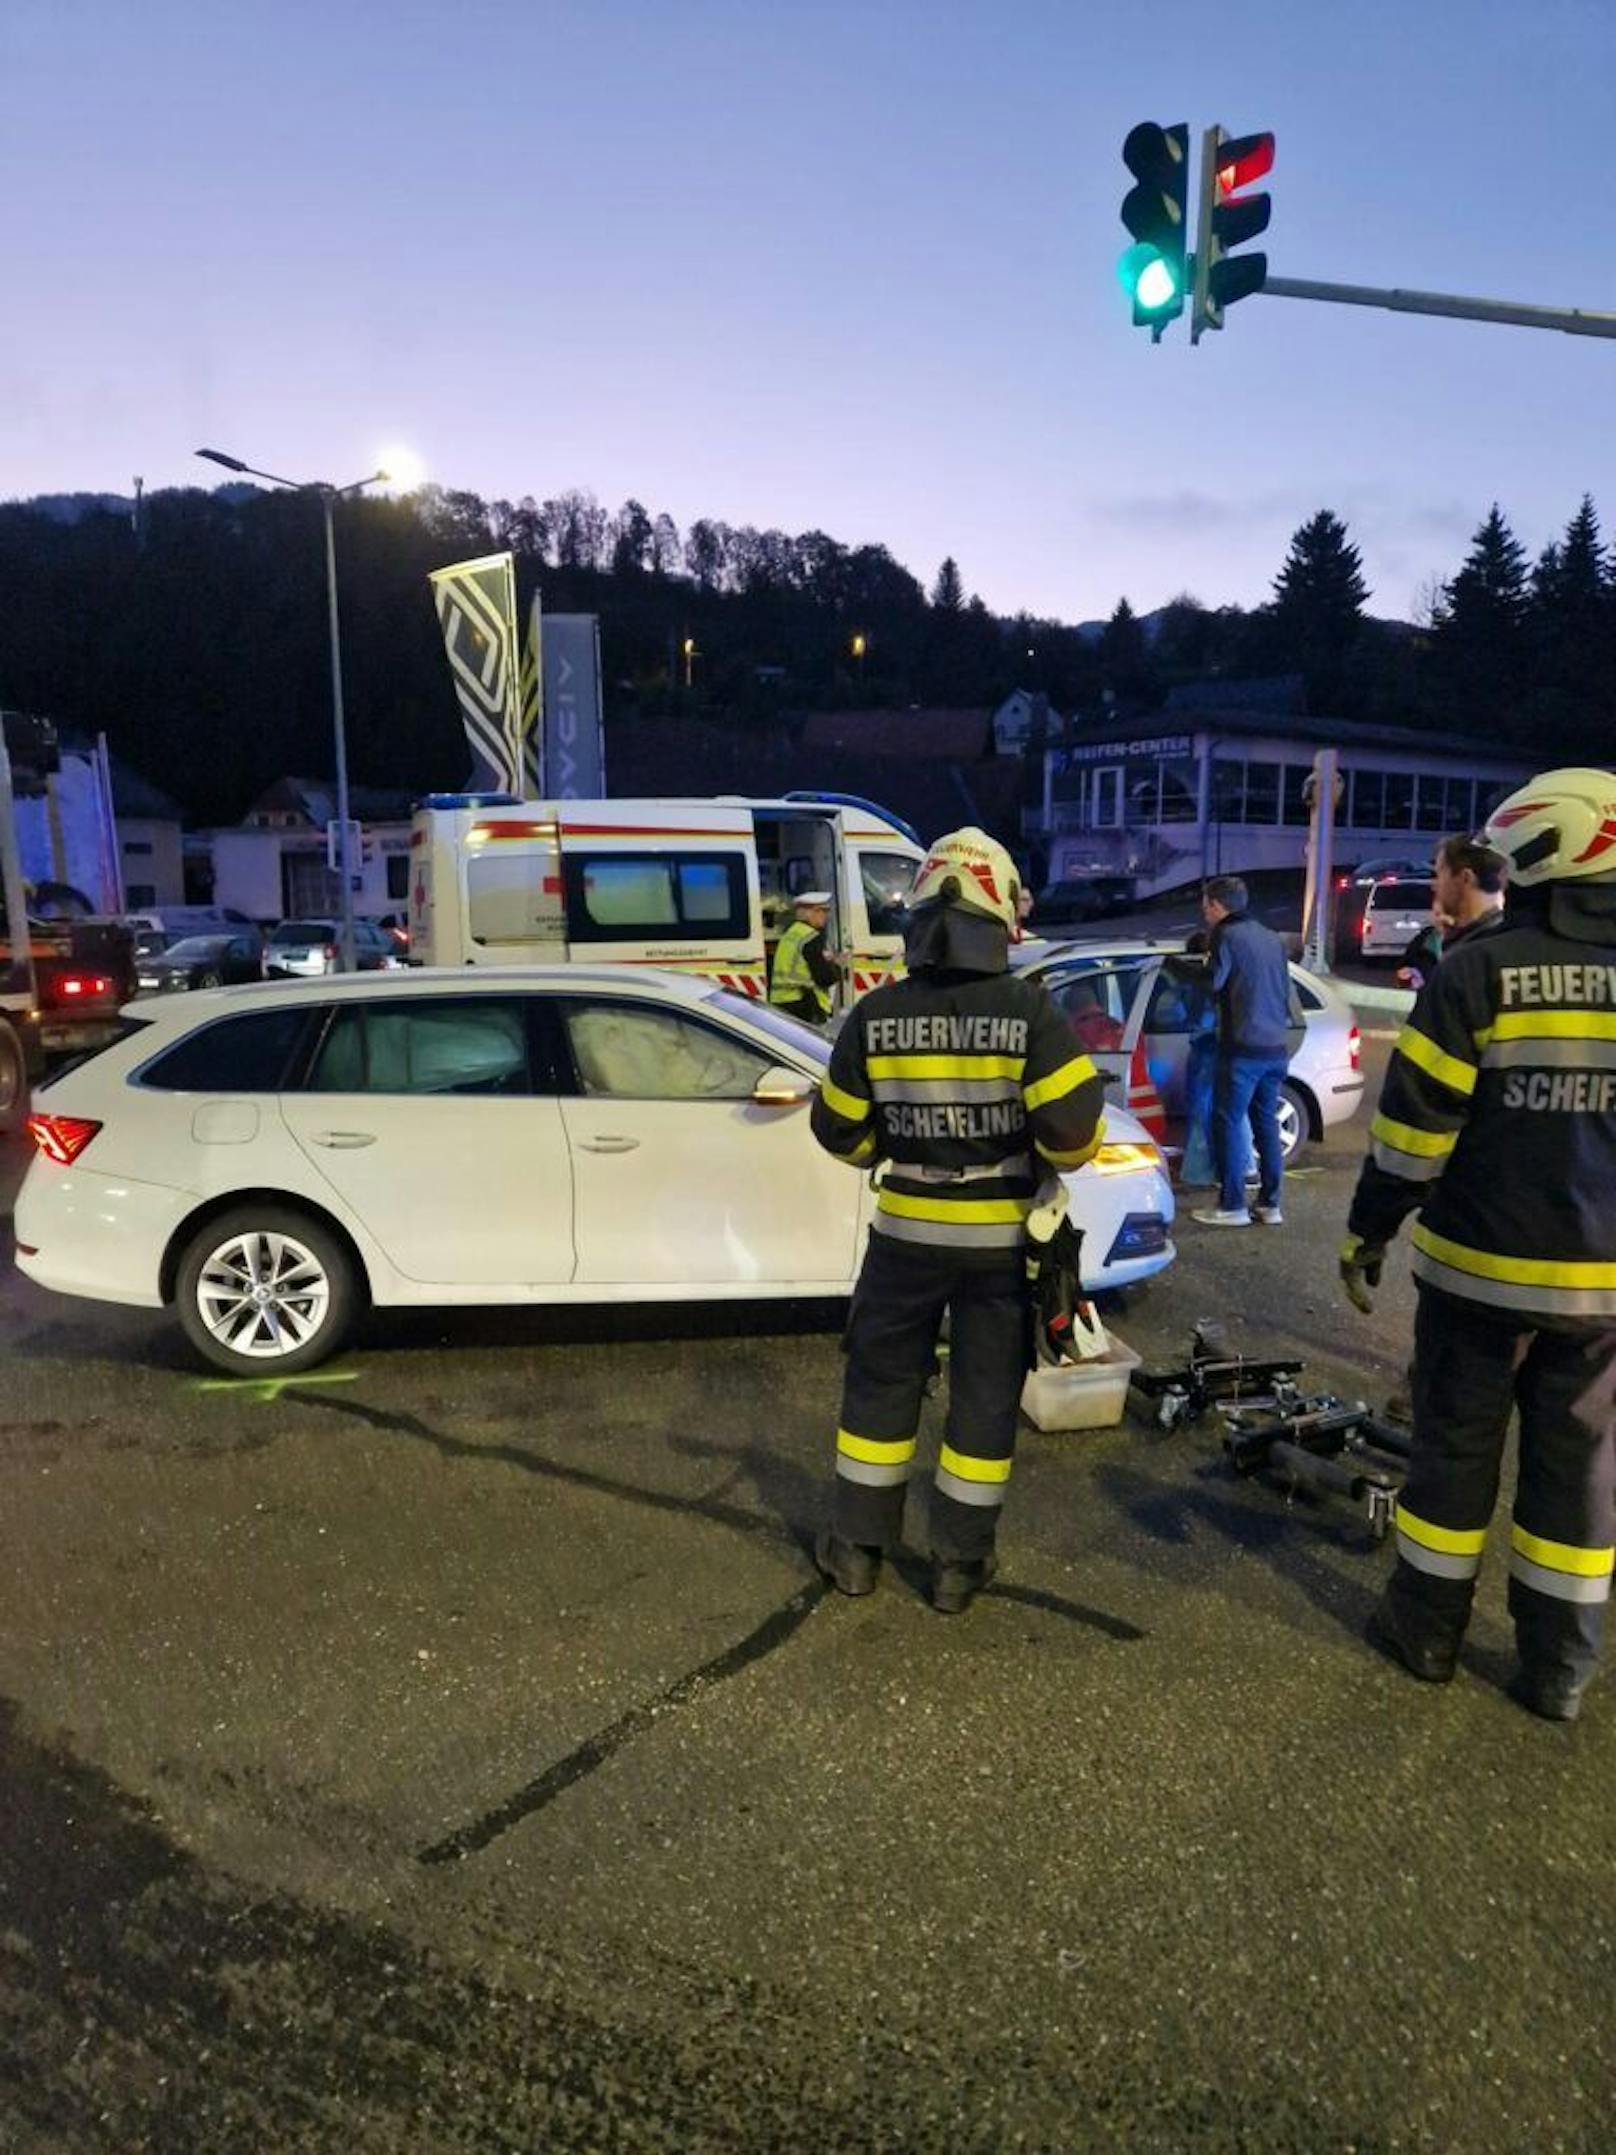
[964, 1084]
[1497, 1123]
[793, 978]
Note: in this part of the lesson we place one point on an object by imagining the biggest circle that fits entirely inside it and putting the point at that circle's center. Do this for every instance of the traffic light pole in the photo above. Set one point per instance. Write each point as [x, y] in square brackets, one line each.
[1573, 321]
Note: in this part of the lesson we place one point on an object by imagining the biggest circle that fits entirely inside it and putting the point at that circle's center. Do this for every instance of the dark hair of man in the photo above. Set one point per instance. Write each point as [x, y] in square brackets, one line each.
[1490, 869]
[1227, 891]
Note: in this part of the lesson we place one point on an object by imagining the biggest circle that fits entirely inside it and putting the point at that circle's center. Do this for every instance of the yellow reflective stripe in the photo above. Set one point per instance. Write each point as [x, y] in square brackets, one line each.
[1563, 1555]
[1446, 1540]
[875, 1451]
[972, 1470]
[945, 1066]
[1424, 1144]
[1554, 1025]
[968, 1211]
[1080, 1158]
[1436, 1062]
[1059, 1082]
[846, 1104]
[1516, 1271]
[863, 1151]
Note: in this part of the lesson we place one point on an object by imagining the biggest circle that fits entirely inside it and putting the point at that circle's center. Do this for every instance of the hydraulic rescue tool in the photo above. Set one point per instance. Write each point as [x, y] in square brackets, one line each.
[1326, 1446]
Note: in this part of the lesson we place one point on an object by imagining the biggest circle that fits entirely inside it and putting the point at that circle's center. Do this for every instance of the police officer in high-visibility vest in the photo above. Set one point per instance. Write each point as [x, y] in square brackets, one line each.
[1497, 1124]
[966, 1083]
[804, 970]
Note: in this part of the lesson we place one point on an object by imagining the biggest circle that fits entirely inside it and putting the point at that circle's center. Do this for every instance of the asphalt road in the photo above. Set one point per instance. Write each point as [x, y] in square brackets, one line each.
[457, 1750]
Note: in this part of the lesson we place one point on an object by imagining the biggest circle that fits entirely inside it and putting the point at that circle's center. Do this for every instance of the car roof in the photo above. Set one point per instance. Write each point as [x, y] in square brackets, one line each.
[667, 986]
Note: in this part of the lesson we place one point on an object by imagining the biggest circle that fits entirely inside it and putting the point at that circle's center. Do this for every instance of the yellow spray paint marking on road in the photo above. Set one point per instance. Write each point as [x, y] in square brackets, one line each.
[266, 1390]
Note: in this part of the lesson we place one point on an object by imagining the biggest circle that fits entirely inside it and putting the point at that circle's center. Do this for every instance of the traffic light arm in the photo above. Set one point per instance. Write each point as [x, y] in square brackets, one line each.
[1573, 321]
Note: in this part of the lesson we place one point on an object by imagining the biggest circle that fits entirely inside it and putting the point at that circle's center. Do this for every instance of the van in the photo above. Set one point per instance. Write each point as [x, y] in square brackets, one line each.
[1380, 919]
[696, 886]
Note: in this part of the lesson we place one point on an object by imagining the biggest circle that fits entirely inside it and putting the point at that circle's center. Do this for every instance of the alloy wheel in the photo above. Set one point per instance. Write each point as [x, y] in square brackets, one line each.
[263, 1294]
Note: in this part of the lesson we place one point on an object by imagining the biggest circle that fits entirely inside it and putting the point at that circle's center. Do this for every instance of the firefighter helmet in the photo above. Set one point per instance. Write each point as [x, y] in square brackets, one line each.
[969, 869]
[1558, 828]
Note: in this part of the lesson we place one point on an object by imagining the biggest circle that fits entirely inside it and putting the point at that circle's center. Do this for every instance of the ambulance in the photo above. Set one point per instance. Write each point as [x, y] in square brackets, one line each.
[692, 886]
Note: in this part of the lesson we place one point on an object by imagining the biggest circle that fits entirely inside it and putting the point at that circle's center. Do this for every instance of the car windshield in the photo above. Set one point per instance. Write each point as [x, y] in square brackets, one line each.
[790, 1032]
[304, 931]
[197, 946]
[150, 943]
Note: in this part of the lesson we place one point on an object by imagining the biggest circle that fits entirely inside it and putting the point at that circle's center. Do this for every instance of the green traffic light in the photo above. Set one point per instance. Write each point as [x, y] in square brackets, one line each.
[1149, 281]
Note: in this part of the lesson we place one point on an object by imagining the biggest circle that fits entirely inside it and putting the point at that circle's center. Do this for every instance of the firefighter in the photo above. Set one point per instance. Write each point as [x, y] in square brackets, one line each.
[1497, 1124]
[955, 1078]
[804, 970]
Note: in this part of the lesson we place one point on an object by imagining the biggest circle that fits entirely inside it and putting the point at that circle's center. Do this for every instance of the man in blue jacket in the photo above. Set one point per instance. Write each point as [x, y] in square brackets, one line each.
[1259, 1026]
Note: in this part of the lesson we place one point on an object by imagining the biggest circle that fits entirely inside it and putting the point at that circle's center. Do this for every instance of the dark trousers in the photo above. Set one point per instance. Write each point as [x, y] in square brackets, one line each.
[1246, 1088]
[1472, 1366]
[891, 1345]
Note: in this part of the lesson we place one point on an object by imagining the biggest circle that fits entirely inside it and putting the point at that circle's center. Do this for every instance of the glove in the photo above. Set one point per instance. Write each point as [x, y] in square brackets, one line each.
[1360, 1271]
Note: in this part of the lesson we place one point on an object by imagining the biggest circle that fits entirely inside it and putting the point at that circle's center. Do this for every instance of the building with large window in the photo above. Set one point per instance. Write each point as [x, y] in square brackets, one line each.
[1174, 796]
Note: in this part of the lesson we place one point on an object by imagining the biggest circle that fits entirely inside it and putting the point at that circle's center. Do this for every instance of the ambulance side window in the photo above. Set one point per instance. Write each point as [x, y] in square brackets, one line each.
[657, 897]
[887, 879]
[506, 899]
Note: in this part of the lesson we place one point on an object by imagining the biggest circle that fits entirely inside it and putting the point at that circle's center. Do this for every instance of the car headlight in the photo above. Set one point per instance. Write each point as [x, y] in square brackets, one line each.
[1126, 1158]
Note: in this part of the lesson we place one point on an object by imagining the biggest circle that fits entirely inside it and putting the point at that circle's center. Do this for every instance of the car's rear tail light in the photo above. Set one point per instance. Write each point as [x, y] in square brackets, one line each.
[330, 953]
[61, 1137]
[81, 987]
[1343, 882]
[1354, 1047]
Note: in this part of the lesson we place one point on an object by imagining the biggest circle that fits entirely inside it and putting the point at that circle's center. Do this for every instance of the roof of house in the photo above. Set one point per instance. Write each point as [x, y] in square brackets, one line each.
[315, 799]
[658, 758]
[1327, 732]
[963, 736]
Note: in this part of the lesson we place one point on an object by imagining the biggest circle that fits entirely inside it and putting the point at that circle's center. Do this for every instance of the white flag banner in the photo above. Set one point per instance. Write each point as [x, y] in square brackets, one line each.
[574, 761]
[476, 603]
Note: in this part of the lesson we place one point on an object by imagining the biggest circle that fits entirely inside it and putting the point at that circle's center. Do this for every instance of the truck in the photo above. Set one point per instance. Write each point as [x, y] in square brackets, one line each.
[65, 971]
[694, 886]
[21, 1052]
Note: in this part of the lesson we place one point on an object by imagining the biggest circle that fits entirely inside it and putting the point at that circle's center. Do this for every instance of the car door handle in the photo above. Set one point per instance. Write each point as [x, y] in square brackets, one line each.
[344, 1140]
[609, 1144]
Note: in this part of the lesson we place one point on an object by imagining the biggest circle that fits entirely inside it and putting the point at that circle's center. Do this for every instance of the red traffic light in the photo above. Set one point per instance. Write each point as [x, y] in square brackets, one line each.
[1247, 158]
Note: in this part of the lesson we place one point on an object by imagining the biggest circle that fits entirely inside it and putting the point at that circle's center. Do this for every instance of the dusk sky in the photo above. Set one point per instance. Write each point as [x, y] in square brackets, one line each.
[846, 266]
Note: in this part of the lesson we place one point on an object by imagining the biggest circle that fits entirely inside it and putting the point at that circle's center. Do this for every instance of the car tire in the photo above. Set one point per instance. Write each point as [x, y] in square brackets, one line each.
[1295, 1122]
[209, 980]
[13, 1081]
[315, 1291]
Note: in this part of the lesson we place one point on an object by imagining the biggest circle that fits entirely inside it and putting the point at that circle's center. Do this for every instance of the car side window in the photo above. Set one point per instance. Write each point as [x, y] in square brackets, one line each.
[247, 1054]
[626, 1051]
[1176, 1006]
[454, 1044]
[1096, 1002]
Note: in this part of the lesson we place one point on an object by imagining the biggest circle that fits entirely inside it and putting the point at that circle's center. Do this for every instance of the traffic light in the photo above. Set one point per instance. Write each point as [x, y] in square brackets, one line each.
[1229, 217]
[1154, 269]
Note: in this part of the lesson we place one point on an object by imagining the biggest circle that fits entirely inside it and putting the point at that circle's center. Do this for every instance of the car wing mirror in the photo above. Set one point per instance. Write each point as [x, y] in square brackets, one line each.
[780, 1087]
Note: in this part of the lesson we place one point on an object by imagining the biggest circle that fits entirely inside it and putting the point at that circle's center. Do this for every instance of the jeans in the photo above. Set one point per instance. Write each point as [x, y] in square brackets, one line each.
[1246, 1088]
[1200, 1072]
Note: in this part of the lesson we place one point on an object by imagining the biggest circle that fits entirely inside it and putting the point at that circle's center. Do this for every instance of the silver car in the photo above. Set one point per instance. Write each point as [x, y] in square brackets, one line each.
[1117, 996]
[301, 949]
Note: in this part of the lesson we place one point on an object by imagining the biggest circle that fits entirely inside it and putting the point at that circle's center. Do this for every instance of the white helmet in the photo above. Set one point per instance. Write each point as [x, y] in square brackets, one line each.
[969, 869]
[1558, 828]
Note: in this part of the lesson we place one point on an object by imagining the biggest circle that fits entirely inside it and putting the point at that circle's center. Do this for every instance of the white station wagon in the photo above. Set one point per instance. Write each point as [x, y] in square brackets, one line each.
[268, 1159]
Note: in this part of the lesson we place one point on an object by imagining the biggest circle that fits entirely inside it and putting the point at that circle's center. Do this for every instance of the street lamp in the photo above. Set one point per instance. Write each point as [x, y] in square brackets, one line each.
[691, 654]
[329, 496]
[860, 644]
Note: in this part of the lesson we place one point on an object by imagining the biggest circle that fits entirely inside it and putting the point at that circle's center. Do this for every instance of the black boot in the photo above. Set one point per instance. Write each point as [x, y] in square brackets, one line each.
[1551, 1694]
[850, 1568]
[954, 1586]
[1418, 1643]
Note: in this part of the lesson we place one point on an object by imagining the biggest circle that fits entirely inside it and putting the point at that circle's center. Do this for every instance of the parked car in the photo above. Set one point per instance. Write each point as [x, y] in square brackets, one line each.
[268, 1160]
[1380, 919]
[1080, 898]
[205, 961]
[1117, 994]
[302, 949]
[171, 922]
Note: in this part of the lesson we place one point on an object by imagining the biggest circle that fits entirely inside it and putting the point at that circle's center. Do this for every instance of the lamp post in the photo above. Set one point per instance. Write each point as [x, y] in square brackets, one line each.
[329, 496]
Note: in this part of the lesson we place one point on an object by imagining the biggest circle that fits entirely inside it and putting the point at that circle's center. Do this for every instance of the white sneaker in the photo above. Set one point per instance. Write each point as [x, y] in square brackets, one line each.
[1220, 1218]
[1268, 1215]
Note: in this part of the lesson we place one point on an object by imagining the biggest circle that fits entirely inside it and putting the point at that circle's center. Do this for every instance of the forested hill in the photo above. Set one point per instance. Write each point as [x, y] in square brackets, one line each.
[197, 638]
